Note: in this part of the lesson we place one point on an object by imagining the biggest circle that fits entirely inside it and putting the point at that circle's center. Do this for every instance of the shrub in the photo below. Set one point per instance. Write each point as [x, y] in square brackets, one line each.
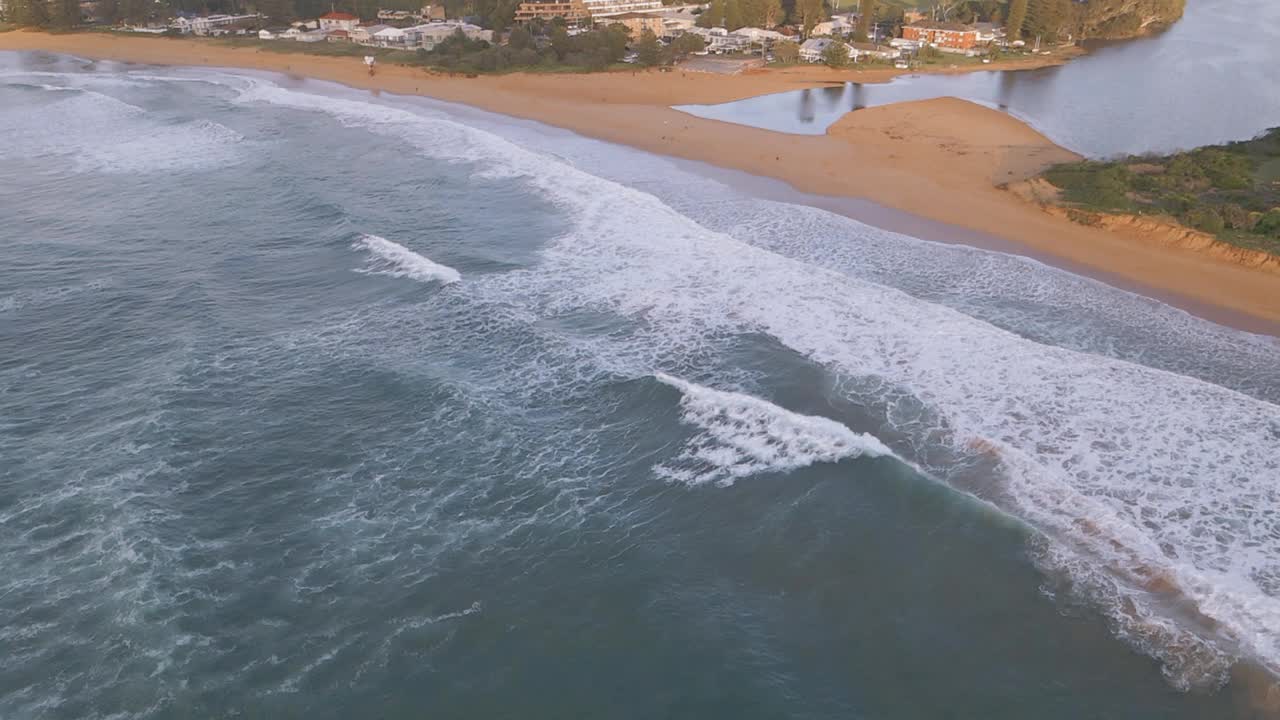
[836, 55]
[1237, 218]
[1269, 224]
[1206, 219]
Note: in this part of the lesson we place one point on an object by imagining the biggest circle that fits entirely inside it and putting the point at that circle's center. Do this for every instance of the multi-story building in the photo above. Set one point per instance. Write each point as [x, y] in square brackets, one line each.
[574, 12]
[947, 35]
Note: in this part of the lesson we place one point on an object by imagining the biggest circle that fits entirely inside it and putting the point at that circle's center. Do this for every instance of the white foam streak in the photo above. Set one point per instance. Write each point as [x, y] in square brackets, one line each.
[396, 260]
[744, 435]
[1135, 471]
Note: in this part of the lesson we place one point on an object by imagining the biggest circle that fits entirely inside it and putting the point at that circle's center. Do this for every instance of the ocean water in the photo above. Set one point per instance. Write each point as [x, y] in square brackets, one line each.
[318, 403]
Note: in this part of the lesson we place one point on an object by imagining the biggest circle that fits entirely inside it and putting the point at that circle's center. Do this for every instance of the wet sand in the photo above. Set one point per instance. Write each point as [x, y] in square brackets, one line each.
[943, 160]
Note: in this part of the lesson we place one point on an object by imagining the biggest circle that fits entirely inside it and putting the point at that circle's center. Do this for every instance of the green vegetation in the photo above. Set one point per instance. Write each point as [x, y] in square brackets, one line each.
[735, 14]
[1231, 191]
[836, 55]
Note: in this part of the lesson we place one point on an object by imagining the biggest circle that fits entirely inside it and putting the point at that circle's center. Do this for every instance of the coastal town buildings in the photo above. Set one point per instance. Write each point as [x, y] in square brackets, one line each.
[942, 35]
[339, 21]
[574, 12]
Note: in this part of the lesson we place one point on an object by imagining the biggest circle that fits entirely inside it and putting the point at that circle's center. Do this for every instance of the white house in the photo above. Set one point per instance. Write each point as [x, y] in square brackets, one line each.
[759, 36]
[839, 25]
[813, 48]
[364, 33]
[989, 32]
[206, 25]
[720, 40]
[859, 51]
[674, 27]
[312, 36]
[431, 34]
[339, 21]
[388, 37]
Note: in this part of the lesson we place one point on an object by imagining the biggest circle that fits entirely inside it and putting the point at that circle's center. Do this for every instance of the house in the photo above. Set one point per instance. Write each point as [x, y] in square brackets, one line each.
[840, 25]
[574, 12]
[363, 34]
[637, 23]
[432, 13]
[399, 15]
[210, 23]
[860, 51]
[943, 35]
[312, 36]
[338, 35]
[813, 49]
[675, 27]
[431, 34]
[388, 37]
[719, 40]
[339, 21]
[759, 36]
[291, 34]
[989, 32]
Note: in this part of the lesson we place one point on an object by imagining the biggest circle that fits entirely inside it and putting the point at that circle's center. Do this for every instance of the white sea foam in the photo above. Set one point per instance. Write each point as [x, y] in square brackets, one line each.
[744, 435]
[100, 133]
[1131, 472]
[396, 260]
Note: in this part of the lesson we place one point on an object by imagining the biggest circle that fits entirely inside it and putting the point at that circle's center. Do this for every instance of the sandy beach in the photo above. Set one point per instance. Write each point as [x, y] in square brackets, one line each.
[945, 160]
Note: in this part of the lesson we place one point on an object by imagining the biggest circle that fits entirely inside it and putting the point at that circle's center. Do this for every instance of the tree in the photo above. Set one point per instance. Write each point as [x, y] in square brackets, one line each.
[866, 10]
[811, 13]
[786, 51]
[714, 15]
[1017, 17]
[770, 14]
[64, 14]
[687, 44]
[280, 11]
[33, 13]
[648, 51]
[836, 54]
[520, 39]
[733, 15]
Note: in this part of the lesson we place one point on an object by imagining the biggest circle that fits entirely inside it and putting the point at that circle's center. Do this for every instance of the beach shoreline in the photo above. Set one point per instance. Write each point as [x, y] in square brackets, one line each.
[945, 161]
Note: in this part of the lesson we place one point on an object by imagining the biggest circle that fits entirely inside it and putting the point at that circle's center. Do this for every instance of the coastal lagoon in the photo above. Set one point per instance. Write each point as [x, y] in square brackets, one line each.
[319, 403]
[1209, 79]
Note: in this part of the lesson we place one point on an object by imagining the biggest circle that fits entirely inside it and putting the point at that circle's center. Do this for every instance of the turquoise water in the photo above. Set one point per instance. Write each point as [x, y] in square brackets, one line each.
[1209, 79]
[315, 403]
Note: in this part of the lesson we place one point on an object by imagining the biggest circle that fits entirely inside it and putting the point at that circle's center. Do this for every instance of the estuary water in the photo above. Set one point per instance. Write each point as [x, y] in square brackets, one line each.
[1211, 78]
[317, 403]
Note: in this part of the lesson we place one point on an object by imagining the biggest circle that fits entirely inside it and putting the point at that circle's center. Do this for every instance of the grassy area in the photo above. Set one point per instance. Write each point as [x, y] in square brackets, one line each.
[1231, 191]
[6, 27]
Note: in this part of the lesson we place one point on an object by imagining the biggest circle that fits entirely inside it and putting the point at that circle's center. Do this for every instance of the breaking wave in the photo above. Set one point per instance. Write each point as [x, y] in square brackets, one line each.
[100, 133]
[396, 260]
[744, 435]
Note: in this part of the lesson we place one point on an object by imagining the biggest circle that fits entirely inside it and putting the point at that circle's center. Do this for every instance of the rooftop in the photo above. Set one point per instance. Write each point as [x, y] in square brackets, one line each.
[952, 26]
